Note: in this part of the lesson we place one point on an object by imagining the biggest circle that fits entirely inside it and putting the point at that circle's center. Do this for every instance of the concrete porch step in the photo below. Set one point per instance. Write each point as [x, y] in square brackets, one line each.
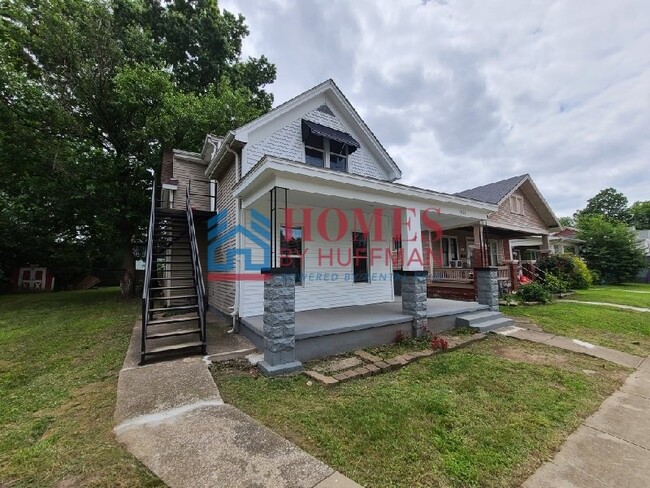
[483, 321]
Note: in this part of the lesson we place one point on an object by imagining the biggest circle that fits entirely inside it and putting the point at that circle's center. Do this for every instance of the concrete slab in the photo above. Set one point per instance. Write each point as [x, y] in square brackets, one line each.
[221, 446]
[157, 387]
[337, 480]
[611, 355]
[593, 459]
[645, 365]
[315, 323]
[638, 383]
[624, 416]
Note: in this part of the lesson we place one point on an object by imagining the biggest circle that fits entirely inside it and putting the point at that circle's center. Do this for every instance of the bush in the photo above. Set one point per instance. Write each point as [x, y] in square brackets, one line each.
[555, 284]
[568, 268]
[583, 277]
[534, 292]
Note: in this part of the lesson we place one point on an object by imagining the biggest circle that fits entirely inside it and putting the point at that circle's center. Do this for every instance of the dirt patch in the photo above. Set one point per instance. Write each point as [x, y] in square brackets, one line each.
[526, 356]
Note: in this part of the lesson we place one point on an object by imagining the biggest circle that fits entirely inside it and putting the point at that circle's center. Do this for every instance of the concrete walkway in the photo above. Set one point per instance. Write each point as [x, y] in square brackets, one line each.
[575, 345]
[170, 415]
[612, 447]
[605, 304]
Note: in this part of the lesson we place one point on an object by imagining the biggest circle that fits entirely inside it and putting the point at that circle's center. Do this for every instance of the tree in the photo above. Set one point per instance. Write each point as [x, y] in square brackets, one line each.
[611, 248]
[640, 212]
[567, 221]
[93, 90]
[610, 203]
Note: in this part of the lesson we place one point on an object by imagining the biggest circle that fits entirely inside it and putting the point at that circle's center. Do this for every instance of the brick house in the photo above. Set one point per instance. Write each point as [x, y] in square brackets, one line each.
[522, 213]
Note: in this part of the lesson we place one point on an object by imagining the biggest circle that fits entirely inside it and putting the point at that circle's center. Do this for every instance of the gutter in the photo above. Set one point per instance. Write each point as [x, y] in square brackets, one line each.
[223, 148]
[235, 311]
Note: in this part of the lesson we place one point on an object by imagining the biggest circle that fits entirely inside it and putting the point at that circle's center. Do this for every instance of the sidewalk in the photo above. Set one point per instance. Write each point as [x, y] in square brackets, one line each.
[606, 304]
[170, 415]
[612, 447]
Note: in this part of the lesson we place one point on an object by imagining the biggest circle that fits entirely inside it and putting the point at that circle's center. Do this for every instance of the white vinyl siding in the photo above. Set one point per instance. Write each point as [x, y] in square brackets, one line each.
[287, 143]
[314, 293]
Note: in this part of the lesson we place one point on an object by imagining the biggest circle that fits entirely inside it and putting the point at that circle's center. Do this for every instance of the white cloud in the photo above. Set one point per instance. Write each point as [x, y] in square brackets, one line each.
[467, 92]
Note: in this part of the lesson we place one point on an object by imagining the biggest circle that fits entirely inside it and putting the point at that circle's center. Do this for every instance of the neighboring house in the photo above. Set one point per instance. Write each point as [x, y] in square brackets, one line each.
[564, 241]
[522, 212]
[307, 189]
[643, 237]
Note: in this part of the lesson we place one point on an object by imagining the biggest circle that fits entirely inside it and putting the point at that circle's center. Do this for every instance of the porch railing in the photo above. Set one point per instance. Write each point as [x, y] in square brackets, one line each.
[503, 273]
[452, 274]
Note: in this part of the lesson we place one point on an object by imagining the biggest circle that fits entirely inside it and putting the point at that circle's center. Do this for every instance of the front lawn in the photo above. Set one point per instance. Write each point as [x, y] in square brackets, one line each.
[60, 354]
[623, 330]
[636, 295]
[485, 415]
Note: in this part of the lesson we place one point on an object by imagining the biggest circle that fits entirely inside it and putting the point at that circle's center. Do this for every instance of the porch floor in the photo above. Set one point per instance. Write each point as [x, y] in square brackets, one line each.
[325, 321]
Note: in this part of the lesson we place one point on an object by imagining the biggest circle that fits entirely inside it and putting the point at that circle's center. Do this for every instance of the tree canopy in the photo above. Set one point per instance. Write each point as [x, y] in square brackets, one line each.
[91, 92]
[610, 248]
[609, 203]
[640, 215]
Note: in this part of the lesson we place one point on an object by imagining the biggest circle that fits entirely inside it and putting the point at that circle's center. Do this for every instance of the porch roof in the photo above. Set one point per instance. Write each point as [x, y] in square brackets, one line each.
[272, 172]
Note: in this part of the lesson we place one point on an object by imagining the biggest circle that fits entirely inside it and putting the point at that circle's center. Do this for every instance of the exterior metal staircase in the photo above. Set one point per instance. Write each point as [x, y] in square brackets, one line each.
[174, 302]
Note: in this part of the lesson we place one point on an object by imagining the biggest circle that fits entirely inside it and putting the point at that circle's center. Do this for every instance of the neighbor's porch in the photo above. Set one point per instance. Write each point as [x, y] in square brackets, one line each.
[324, 332]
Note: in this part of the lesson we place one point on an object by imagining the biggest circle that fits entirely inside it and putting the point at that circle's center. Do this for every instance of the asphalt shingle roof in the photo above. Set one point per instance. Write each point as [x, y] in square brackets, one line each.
[493, 192]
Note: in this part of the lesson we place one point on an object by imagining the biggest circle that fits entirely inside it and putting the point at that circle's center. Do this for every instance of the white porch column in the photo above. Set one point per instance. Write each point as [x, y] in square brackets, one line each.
[414, 278]
[412, 240]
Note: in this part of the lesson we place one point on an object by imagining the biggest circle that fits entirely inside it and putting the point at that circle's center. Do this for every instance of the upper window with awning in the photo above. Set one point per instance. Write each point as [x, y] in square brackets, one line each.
[326, 147]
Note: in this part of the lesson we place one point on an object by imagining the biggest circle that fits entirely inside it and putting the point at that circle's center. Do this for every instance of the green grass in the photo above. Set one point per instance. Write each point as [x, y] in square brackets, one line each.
[60, 354]
[485, 415]
[618, 329]
[636, 295]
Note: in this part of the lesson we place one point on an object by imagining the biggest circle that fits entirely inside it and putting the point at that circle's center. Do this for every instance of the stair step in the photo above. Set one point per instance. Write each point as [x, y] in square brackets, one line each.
[175, 347]
[174, 297]
[472, 319]
[174, 333]
[493, 324]
[179, 307]
[177, 287]
[172, 320]
[190, 277]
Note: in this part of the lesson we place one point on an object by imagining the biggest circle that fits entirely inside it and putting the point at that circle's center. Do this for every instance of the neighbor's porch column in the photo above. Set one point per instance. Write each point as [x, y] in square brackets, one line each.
[487, 287]
[279, 322]
[414, 278]
[546, 246]
[479, 253]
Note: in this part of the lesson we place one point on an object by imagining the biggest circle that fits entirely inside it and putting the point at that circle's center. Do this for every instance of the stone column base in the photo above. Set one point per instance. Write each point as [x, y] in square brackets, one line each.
[280, 369]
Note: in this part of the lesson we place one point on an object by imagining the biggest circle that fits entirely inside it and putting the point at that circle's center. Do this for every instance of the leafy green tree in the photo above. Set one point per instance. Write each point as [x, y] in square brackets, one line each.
[640, 212]
[611, 248]
[92, 91]
[567, 221]
[610, 203]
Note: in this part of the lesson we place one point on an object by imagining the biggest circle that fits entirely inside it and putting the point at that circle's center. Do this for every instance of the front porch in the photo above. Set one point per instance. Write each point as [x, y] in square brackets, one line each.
[325, 332]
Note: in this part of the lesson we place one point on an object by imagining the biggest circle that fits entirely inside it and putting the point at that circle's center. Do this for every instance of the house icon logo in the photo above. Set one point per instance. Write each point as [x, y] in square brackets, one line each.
[221, 256]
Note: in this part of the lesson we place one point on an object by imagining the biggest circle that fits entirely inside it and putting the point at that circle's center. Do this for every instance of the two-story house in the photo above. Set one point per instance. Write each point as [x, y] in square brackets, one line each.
[305, 190]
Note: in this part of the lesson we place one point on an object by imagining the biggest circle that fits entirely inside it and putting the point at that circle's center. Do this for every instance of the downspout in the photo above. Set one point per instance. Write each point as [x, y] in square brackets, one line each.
[235, 311]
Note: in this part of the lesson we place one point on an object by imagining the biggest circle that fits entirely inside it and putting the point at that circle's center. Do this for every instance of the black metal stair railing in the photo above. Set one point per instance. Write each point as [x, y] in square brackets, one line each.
[197, 271]
[146, 301]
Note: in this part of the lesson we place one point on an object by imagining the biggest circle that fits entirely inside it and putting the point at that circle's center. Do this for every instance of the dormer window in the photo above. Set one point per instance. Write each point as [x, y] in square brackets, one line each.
[326, 147]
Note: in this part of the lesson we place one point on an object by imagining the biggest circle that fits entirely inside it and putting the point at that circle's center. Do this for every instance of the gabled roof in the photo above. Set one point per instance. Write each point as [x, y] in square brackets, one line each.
[338, 99]
[498, 191]
[494, 192]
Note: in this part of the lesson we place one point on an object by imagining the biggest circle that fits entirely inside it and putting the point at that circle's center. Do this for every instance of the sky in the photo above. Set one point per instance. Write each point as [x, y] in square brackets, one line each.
[466, 92]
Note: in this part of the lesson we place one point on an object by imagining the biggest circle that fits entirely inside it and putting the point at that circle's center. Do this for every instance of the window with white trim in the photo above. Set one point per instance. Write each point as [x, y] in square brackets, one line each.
[326, 153]
[517, 204]
[449, 250]
[291, 250]
[360, 263]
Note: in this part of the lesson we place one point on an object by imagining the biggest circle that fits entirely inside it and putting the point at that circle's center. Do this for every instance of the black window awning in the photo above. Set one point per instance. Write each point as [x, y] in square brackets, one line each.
[312, 128]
